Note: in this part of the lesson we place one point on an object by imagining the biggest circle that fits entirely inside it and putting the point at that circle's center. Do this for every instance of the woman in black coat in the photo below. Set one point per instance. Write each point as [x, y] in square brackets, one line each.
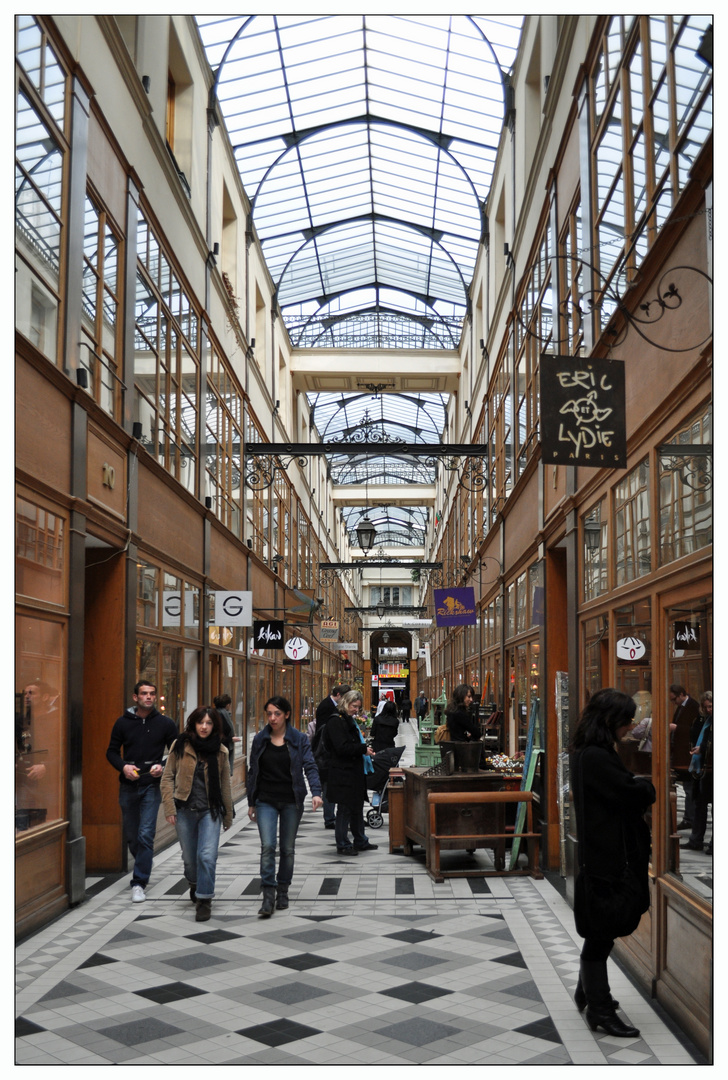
[346, 784]
[460, 722]
[610, 804]
[385, 728]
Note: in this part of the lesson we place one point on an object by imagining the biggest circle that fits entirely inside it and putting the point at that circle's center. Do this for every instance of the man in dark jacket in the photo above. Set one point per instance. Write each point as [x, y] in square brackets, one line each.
[324, 710]
[143, 734]
[685, 729]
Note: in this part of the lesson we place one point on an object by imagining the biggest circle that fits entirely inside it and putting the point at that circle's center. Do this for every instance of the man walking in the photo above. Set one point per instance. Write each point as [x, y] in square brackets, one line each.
[324, 710]
[143, 734]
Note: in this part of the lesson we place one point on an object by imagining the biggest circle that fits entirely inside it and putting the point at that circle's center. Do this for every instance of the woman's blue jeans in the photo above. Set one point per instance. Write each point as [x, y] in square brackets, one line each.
[199, 836]
[268, 816]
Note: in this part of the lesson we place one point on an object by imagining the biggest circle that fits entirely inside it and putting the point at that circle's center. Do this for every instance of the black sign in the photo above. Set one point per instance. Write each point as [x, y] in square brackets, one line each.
[687, 636]
[268, 635]
[583, 412]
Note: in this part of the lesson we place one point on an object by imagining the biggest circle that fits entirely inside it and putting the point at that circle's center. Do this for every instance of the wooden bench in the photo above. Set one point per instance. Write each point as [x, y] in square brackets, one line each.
[464, 802]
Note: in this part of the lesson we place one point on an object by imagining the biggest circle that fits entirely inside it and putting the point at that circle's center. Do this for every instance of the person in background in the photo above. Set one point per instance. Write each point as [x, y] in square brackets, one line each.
[197, 800]
[143, 734]
[222, 704]
[683, 735]
[421, 705]
[346, 783]
[385, 728]
[279, 758]
[405, 706]
[701, 773]
[324, 710]
[610, 804]
[461, 723]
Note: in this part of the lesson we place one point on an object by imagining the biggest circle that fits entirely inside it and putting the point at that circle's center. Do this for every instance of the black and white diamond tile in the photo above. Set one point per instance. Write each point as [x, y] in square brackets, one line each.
[373, 964]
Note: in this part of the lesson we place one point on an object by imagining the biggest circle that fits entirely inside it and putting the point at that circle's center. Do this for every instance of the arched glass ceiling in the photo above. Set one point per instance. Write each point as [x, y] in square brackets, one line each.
[366, 144]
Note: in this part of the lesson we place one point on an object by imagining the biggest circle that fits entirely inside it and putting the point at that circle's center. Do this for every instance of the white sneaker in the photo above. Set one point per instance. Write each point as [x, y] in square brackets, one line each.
[138, 896]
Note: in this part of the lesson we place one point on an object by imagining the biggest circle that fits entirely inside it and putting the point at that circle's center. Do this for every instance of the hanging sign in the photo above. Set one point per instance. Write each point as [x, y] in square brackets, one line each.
[233, 608]
[583, 420]
[172, 608]
[329, 630]
[268, 634]
[630, 648]
[296, 648]
[455, 607]
[687, 636]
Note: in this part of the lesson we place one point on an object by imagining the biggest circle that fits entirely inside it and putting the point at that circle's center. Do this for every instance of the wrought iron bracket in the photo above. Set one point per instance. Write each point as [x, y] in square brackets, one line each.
[693, 462]
[262, 460]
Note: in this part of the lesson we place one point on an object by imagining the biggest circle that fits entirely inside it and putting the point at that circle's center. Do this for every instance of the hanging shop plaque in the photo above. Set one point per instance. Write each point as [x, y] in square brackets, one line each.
[687, 636]
[296, 649]
[233, 608]
[329, 630]
[583, 412]
[455, 607]
[631, 649]
[268, 634]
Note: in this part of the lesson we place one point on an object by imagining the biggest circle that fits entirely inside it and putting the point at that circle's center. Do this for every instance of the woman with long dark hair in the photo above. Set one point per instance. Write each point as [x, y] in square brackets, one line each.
[458, 717]
[614, 844]
[198, 799]
[346, 784]
[279, 757]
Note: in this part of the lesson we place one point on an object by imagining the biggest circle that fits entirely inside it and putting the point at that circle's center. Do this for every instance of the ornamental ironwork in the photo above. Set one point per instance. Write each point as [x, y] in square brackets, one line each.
[693, 463]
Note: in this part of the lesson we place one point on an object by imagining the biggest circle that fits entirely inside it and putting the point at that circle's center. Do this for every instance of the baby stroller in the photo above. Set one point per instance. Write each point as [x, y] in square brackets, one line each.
[378, 781]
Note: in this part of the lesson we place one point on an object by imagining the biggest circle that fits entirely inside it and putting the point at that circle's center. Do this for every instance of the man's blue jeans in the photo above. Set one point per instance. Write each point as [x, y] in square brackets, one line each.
[199, 837]
[139, 809]
[268, 816]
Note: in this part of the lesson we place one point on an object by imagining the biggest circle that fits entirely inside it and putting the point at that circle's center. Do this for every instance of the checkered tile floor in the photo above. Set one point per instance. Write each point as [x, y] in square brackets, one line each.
[373, 963]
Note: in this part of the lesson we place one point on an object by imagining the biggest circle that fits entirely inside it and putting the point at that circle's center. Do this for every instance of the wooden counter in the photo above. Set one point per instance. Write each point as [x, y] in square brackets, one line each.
[484, 818]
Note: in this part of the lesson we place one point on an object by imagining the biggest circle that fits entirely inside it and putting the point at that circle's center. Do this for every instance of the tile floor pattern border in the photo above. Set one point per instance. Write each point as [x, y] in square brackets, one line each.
[372, 964]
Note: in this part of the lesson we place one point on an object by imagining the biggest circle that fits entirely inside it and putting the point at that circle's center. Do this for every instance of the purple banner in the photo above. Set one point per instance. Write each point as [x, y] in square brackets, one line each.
[455, 607]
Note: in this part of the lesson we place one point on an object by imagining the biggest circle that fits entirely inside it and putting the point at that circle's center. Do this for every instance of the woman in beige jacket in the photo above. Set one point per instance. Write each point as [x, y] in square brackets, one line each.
[197, 799]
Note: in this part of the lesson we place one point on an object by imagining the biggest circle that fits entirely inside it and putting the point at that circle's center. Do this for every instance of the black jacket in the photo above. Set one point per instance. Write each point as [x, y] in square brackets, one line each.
[384, 731]
[462, 726]
[610, 804]
[144, 741]
[345, 781]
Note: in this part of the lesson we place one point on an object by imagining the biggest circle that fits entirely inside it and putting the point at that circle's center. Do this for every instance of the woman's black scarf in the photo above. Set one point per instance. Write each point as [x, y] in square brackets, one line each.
[206, 750]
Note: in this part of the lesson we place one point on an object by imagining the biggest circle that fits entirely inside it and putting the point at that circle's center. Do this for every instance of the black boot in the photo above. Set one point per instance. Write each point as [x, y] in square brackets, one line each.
[600, 1011]
[282, 897]
[193, 894]
[580, 997]
[269, 902]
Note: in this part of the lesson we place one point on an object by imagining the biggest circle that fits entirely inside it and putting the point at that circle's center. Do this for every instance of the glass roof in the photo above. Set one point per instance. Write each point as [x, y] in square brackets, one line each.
[366, 144]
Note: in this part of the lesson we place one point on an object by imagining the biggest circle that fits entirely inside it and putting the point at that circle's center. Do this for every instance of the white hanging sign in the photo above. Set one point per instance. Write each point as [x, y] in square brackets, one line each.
[630, 648]
[234, 608]
[296, 648]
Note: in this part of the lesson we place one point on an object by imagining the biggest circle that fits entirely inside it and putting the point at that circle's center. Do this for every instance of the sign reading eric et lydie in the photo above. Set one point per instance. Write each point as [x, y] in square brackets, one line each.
[583, 412]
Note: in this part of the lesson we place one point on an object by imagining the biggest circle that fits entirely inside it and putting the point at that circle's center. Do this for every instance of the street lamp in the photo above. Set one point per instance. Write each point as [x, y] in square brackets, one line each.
[366, 532]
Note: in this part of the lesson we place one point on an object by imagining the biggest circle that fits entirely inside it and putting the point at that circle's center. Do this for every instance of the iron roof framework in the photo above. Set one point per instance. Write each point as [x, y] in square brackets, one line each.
[366, 145]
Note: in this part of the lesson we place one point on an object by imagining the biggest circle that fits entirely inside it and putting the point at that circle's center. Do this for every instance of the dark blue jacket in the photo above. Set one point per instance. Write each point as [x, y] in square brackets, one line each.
[144, 741]
[299, 749]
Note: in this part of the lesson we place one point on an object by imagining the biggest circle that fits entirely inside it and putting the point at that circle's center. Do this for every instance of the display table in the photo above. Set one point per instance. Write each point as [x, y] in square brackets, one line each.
[482, 824]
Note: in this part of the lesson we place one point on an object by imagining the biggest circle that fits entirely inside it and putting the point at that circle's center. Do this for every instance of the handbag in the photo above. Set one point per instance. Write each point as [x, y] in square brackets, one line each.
[442, 733]
[609, 905]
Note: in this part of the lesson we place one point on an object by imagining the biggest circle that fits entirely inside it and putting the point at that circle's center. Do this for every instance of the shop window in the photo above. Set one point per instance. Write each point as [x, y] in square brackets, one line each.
[39, 722]
[686, 489]
[39, 550]
[147, 595]
[594, 548]
[596, 654]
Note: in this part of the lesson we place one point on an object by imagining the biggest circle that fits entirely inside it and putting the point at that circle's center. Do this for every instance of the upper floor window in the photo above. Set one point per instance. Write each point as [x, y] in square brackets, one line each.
[166, 361]
[100, 323]
[652, 110]
[632, 539]
[686, 488]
